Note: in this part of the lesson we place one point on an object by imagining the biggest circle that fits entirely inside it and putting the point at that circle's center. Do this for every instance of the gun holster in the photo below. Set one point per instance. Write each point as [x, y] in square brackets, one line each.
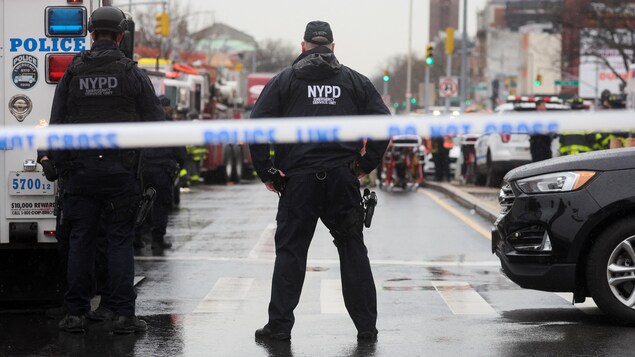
[369, 201]
[145, 205]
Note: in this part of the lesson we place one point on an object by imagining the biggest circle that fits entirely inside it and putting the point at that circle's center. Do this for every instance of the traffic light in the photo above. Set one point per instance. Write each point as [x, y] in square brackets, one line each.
[413, 100]
[162, 24]
[386, 75]
[538, 82]
[429, 54]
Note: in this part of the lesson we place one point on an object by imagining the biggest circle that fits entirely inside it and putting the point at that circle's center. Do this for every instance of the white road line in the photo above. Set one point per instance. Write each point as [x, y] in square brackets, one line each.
[462, 299]
[265, 247]
[331, 300]
[226, 295]
[588, 306]
[419, 263]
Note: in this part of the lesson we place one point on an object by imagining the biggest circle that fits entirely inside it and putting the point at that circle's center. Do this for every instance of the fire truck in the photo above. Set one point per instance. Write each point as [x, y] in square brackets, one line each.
[232, 162]
[38, 40]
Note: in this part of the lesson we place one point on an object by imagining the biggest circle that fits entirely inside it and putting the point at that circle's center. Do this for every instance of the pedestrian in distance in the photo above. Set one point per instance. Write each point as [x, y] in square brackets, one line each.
[101, 85]
[160, 170]
[318, 181]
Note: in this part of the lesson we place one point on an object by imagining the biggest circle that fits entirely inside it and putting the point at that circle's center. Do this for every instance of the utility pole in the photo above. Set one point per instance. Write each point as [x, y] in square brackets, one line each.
[463, 90]
[449, 51]
[409, 70]
[426, 90]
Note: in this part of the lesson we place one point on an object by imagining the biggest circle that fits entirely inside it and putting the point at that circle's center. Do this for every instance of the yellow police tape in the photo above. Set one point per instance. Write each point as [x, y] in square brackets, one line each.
[301, 130]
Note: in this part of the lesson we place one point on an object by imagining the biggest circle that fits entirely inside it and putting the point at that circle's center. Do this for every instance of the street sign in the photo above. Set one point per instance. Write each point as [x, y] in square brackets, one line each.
[570, 83]
[448, 87]
[480, 88]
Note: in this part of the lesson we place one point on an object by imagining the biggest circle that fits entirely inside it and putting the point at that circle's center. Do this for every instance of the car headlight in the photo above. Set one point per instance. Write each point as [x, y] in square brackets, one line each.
[555, 182]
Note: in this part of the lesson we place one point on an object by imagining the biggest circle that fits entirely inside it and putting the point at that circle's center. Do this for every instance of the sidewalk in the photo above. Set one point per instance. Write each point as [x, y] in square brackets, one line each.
[484, 200]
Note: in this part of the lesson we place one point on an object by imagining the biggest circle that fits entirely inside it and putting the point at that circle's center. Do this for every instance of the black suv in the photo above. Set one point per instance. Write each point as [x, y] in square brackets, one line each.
[568, 225]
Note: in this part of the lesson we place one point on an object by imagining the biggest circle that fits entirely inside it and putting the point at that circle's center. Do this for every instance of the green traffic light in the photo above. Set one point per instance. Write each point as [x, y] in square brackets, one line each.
[413, 100]
[386, 78]
[537, 83]
[429, 61]
[396, 105]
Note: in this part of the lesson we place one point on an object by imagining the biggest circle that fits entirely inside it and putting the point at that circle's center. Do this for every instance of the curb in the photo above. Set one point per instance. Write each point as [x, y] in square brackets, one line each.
[464, 199]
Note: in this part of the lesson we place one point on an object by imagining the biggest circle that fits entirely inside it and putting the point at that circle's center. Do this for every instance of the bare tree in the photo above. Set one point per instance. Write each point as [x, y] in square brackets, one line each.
[179, 39]
[274, 55]
[606, 28]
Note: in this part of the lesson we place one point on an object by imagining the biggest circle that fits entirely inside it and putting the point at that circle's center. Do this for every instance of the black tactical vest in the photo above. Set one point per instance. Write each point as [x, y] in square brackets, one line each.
[99, 91]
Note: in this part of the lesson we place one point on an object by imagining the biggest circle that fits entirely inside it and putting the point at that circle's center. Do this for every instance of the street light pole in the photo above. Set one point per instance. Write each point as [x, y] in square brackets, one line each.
[409, 70]
[463, 95]
[426, 90]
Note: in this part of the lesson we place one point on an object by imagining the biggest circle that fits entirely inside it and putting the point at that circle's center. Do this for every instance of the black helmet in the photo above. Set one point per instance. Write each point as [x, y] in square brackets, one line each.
[577, 103]
[605, 94]
[109, 19]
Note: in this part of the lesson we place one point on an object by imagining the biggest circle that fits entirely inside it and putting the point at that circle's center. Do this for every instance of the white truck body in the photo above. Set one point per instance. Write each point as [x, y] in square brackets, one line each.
[32, 34]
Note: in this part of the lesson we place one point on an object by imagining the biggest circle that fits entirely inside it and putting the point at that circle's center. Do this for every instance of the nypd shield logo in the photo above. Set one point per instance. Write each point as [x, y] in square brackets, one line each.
[24, 73]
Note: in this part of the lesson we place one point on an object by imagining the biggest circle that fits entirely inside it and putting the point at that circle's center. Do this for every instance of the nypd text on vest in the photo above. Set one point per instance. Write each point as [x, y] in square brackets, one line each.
[324, 94]
[47, 44]
[98, 85]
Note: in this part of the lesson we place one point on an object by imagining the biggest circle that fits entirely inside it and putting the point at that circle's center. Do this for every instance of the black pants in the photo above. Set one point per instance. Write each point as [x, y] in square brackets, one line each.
[160, 179]
[62, 234]
[100, 188]
[540, 147]
[328, 196]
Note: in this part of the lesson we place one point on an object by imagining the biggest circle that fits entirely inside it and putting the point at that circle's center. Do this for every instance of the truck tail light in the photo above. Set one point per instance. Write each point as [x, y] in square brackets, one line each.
[66, 21]
[56, 65]
[49, 233]
[506, 137]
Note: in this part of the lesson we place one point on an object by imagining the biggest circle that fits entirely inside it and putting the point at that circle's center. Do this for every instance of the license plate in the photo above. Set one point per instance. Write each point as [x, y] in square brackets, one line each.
[30, 183]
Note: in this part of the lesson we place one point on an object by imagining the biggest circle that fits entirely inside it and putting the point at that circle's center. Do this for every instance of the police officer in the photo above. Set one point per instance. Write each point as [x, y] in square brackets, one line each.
[318, 181]
[102, 86]
[540, 144]
[160, 167]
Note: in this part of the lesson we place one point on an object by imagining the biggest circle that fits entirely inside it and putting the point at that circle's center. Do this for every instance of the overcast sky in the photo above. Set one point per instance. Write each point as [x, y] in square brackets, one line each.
[367, 33]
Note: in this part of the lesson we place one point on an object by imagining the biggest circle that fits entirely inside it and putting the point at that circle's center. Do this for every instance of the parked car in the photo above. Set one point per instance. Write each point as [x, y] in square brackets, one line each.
[568, 225]
[497, 153]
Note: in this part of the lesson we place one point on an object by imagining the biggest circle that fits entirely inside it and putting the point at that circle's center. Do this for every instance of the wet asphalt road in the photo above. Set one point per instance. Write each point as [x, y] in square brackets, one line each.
[440, 292]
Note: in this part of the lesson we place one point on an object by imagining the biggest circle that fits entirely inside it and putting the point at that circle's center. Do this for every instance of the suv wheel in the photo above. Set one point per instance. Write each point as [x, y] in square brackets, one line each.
[611, 271]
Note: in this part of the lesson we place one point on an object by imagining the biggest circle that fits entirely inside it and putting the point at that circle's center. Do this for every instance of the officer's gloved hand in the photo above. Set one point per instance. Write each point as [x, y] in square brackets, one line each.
[50, 171]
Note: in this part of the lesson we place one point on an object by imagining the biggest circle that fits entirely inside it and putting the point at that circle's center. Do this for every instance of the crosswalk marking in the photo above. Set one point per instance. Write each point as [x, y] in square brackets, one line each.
[462, 299]
[331, 300]
[226, 295]
[229, 293]
[588, 307]
[265, 247]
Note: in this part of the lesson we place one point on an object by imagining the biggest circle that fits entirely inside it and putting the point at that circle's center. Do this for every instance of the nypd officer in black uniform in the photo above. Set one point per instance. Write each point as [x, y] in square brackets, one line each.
[320, 181]
[160, 169]
[102, 86]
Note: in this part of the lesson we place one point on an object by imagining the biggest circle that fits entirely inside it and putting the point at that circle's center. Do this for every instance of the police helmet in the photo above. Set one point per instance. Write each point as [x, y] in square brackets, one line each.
[109, 19]
[578, 103]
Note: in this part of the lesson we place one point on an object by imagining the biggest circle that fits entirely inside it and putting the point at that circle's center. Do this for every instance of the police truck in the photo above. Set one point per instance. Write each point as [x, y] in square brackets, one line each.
[38, 40]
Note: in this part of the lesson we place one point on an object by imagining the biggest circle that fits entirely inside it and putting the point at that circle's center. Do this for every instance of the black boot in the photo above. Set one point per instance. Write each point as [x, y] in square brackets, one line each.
[128, 325]
[267, 333]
